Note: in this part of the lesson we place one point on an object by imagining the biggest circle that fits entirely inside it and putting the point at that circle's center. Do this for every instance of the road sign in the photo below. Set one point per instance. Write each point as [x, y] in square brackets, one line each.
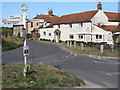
[36, 20]
[26, 53]
[13, 20]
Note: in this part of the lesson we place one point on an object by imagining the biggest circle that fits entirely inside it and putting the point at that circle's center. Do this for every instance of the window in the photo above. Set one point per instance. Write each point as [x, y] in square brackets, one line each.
[70, 25]
[81, 24]
[81, 36]
[98, 36]
[31, 24]
[71, 36]
[59, 26]
[37, 24]
[45, 24]
[49, 34]
[44, 33]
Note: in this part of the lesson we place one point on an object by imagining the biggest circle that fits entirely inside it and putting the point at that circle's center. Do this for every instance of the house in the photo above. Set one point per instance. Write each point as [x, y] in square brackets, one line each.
[45, 21]
[89, 27]
[17, 29]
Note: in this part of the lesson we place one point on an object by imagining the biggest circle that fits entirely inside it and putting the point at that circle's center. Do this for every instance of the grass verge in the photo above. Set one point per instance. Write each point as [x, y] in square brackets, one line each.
[39, 76]
[87, 50]
[10, 43]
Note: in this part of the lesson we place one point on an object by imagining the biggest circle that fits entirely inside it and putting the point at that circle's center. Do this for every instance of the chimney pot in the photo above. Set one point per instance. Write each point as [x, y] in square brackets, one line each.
[99, 6]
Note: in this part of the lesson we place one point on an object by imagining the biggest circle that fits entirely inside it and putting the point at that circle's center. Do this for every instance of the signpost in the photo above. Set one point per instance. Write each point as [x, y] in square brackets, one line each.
[26, 53]
[13, 20]
[25, 48]
[36, 20]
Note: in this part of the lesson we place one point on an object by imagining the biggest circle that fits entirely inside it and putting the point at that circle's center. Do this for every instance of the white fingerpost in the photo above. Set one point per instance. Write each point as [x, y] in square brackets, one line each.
[24, 37]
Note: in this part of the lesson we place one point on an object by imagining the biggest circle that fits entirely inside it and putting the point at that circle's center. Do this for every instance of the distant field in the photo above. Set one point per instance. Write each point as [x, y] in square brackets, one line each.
[39, 76]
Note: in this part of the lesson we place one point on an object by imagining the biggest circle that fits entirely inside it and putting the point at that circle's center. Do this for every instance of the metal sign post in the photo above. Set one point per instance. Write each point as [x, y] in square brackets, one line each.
[25, 48]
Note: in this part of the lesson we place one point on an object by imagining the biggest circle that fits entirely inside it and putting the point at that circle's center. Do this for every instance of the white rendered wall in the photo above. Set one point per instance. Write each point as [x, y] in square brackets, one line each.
[99, 17]
[66, 30]
[47, 30]
[106, 35]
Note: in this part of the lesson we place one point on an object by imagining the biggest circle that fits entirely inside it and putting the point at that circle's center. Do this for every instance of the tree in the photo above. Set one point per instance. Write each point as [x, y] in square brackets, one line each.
[19, 35]
[29, 36]
[37, 35]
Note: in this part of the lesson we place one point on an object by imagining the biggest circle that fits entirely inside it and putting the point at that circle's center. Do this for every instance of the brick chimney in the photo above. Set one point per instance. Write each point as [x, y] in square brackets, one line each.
[50, 12]
[99, 6]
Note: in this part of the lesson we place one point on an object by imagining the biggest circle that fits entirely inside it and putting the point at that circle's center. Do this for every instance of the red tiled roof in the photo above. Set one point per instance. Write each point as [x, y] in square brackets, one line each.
[47, 18]
[77, 17]
[41, 26]
[36, 29]
[109, 27]
[113, 16]
[50, 26]
[17, 25]
[119, 27]
[57, 30]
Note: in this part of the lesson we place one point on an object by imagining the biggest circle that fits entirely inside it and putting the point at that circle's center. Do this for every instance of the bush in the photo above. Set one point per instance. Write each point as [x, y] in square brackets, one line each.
[19, 35]
[29, 36]
[49, 40]
[53, 40]
[37, 35]
[115, 38]
[41, 39]
[60, 41]
[65, 41]
[6, 30]
[46, 40]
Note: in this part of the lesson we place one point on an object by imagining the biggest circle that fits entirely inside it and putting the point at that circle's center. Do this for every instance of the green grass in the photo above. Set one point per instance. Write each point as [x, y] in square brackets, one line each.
[7, 45]
[39, 76]
[87, 50]
[8, 40]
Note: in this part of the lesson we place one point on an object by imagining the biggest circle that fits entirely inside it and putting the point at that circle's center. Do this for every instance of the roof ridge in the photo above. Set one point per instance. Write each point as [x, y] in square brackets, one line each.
[79, 13]
[112, 12]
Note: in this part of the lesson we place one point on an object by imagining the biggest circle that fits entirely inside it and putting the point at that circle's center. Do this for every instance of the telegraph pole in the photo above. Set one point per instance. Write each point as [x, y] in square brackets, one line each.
[25, 47]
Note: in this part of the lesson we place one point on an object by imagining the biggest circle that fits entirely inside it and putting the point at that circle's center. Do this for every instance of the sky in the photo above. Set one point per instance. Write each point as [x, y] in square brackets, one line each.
[59, 8]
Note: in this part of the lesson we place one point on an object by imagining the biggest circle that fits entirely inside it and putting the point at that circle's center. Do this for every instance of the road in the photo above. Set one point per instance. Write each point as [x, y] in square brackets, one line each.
[100, 72]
